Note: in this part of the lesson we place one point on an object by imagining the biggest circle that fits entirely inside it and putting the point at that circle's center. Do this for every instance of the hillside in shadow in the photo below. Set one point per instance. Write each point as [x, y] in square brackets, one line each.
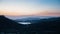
[51, 25]
[8, 25]
[42, 26]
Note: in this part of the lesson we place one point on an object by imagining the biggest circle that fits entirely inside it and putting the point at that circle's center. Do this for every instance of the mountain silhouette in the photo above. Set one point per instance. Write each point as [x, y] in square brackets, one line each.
[43, 26]
[8, 25]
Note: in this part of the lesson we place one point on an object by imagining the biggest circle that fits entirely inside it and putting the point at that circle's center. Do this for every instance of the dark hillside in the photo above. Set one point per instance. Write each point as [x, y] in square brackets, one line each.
[8, 25]
[51, 25]
[42, 26]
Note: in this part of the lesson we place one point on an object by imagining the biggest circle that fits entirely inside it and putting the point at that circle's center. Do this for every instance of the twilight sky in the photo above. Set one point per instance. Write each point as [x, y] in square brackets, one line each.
[30, 7]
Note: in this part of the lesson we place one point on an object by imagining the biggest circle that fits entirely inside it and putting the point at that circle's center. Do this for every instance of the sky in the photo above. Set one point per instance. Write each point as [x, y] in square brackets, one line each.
[30, 7]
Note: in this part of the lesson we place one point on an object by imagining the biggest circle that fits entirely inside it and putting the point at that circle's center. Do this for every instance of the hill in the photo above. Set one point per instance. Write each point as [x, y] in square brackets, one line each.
[41, 26]
[7, 25]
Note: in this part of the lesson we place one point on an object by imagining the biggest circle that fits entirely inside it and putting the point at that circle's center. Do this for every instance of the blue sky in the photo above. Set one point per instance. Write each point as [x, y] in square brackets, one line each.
[29, 6]
[36, 3]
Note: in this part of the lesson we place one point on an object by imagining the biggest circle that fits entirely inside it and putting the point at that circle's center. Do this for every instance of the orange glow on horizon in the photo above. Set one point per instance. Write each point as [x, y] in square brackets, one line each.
[22, 13]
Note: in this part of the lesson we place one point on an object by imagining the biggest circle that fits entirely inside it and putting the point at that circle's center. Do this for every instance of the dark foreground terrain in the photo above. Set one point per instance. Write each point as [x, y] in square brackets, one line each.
[43, 26]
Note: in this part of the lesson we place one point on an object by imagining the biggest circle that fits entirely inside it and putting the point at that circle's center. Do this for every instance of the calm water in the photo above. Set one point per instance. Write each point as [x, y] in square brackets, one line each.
[24, 23]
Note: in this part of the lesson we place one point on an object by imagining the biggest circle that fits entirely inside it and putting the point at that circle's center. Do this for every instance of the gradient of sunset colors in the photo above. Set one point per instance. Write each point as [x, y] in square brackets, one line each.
[30, 7]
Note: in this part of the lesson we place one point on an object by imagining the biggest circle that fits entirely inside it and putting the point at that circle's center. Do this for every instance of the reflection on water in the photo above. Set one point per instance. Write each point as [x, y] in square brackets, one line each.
[24, 23]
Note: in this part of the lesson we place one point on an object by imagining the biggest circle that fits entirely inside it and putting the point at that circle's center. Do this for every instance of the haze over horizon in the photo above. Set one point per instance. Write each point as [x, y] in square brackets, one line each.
[30, 7]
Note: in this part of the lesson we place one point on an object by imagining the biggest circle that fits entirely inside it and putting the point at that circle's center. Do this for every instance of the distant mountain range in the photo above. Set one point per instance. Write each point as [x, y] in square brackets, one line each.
[28, 19]
[24, 17]
[33, 19]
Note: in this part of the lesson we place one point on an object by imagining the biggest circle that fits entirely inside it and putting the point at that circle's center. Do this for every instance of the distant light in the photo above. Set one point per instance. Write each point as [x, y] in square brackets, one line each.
[24, 23]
